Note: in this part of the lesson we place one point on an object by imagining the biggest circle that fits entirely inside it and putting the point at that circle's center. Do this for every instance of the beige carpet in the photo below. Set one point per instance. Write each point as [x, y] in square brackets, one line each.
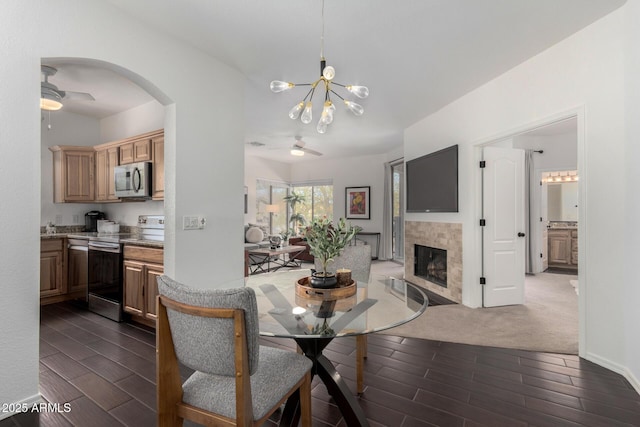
[547, 322]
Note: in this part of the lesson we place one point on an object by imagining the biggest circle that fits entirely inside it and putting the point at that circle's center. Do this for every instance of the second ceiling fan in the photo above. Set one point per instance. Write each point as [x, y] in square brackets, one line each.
[299, 148]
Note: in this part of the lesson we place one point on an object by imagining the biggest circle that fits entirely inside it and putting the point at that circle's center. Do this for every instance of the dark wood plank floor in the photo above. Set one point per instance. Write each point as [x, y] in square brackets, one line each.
[106, 372]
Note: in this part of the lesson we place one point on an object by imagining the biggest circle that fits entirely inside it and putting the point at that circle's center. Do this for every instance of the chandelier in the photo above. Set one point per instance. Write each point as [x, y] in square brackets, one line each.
[303, 109]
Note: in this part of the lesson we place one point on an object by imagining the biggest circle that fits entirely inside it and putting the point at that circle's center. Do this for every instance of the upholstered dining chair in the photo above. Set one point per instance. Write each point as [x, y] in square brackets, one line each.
[356, 258]
[237, 382]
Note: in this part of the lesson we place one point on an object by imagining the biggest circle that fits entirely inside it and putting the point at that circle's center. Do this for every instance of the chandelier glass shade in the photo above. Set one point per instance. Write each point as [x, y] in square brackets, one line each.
[304, 108]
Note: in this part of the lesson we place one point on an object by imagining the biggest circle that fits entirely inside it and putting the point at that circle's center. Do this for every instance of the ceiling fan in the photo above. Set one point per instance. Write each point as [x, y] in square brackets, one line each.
[51, 97]
[299, 148]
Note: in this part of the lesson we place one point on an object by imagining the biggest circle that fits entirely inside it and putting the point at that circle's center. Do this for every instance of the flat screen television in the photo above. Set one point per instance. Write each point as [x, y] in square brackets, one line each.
[432, 182]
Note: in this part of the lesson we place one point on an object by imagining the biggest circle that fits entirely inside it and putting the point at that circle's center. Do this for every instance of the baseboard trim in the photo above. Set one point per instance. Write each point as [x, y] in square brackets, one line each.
[24, 403]
[615, 367]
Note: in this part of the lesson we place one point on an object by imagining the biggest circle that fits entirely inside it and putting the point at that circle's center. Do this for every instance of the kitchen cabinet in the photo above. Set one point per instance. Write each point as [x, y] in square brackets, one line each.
[106, 160]
[77, 269]
[142, 266]
[52, 269]
[137, 150]
[157, 169]
[73, 174]
[563, 248]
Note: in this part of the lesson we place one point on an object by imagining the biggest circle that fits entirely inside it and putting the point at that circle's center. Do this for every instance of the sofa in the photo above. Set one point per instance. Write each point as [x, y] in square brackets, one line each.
[303, 256]
[254, 240]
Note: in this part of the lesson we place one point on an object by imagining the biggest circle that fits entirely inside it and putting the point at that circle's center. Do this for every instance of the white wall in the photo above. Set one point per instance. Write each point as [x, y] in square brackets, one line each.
[584, 73]
[560, 152]
[630, 288]
[136, 121]
[258, 168]
[142, 119]
[203, 150]
[75, 129]
[66, 129]
[349, 172]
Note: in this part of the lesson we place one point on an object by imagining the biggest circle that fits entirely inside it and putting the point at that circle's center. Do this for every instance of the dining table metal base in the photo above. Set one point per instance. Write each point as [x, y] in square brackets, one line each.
[337, 388]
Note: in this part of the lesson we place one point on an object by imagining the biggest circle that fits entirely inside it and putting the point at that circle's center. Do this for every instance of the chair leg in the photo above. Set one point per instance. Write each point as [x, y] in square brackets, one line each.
[305, 401]
[361, 354]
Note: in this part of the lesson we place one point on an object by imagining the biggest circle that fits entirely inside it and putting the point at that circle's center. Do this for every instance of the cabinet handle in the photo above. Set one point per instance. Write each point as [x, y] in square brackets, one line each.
[521, 234]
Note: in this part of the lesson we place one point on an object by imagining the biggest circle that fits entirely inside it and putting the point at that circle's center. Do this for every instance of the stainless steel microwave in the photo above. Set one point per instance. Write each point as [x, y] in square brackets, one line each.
[133, 180]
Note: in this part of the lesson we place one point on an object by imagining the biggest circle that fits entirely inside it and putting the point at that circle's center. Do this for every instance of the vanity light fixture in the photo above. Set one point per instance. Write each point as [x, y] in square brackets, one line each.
[559, 177]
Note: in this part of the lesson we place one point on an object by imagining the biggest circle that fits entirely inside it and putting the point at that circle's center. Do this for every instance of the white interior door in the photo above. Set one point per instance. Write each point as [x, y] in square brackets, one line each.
[503, 241]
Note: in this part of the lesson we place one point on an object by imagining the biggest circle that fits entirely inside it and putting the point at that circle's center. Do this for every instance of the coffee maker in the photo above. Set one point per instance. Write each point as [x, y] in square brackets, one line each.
[91, 220]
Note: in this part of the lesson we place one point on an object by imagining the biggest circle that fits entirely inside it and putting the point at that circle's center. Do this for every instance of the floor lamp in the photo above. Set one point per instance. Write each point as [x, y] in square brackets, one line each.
[272, 209]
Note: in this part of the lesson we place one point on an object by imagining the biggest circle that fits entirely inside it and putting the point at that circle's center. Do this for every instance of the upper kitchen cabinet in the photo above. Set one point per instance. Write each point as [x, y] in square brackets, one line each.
[136, 149]
[158, 167]
[73, 174]
[106, 160]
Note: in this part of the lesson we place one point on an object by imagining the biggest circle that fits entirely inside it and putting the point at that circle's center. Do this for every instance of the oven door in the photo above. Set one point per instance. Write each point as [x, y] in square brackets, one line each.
[105, 279]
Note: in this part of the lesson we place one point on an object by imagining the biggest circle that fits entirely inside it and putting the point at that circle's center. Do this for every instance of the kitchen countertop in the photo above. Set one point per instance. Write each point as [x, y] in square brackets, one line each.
[143, 242]
[562, 225]
[129, 240]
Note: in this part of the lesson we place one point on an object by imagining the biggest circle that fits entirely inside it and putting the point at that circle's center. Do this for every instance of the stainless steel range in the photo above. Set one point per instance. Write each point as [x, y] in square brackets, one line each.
[105, 259]
[105, 275]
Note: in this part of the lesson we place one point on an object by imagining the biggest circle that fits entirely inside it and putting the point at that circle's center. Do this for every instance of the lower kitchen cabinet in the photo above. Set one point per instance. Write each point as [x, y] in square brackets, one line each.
[52, 269]
[142, 266]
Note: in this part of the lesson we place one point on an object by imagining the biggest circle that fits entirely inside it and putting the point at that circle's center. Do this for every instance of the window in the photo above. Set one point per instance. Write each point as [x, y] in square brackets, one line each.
[272, 193]
[318, 200]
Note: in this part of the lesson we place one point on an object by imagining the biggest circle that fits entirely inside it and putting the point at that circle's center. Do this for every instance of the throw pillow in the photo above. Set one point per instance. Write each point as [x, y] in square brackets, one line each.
[254, 235]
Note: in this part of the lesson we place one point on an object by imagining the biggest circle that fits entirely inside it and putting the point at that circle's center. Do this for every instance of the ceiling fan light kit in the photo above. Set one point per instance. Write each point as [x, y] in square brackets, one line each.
[51, 97]
[304, 108]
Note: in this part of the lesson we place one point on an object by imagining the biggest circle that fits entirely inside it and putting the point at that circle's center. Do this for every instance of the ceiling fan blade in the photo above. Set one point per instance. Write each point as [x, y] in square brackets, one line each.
[310, 151]
[78, 96]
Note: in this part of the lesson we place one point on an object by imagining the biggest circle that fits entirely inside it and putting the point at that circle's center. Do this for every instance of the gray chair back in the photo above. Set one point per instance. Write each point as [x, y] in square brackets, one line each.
[356, 258]
[207, 344]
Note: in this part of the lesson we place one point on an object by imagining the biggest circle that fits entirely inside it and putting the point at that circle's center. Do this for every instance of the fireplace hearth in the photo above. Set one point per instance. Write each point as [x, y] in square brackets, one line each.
[431, 264]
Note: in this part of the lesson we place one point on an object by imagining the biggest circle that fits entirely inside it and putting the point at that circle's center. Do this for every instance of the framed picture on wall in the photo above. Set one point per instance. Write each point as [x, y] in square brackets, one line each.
[357, 202]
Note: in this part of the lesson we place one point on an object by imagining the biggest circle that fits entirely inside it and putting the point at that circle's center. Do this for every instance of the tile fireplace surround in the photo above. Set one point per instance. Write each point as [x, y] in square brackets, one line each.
[441, 235]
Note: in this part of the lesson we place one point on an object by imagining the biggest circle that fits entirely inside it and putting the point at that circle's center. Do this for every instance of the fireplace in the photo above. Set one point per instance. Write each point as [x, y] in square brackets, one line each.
[431, 264]
[446, 236]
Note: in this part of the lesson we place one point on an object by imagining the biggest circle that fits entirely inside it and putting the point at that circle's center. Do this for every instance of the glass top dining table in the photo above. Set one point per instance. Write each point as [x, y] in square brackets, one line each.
[313, 322]
[381, 303]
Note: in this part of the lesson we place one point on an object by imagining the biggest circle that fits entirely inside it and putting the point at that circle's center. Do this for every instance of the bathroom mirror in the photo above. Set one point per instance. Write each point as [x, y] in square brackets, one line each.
[562, 201]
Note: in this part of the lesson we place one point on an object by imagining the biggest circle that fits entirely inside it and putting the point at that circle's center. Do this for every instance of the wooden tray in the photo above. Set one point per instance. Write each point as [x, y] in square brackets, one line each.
[305, 290]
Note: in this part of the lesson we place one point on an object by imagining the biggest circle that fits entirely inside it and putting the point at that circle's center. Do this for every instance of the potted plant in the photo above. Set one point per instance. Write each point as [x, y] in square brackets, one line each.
[326, 241]
[296, 219]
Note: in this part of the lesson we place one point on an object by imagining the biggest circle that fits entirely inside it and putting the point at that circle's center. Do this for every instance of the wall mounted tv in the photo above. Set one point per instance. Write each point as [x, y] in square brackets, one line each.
[432, 182]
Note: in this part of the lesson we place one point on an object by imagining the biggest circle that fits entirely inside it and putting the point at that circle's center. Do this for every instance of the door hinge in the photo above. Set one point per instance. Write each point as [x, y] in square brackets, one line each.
[482, 164]
[483, 281]
[483, 223]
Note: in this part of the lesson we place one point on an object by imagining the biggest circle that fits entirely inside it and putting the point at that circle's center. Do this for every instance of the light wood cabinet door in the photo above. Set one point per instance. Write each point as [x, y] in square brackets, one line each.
[106, 161]
[102, 166]
[52, 267]
[73, 173]
[136, 151]
[559, 248]
[78, 275]
[51, 274]
[142, 266]
[153, 271]
[134, 281]
[158, 168]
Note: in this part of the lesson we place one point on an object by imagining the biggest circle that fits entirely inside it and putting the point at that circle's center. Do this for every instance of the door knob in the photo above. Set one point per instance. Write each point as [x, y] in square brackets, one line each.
[520, 234]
